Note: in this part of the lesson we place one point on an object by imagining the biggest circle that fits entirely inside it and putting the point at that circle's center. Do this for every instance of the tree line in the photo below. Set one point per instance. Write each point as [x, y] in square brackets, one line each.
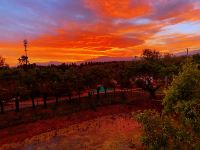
[151, 72]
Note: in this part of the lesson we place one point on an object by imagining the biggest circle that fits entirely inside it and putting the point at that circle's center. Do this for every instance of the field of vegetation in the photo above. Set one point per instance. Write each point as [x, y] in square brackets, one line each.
[149, 103]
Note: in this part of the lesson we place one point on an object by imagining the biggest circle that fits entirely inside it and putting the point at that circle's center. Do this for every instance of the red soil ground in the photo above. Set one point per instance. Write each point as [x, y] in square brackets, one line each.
[23, 131]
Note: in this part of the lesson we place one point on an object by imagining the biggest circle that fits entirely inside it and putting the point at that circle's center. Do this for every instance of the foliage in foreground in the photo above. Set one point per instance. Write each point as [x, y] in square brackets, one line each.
[178, 126]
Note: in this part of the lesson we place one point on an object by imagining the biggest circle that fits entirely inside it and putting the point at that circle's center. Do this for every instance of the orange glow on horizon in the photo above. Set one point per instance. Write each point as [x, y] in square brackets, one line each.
[78, 31]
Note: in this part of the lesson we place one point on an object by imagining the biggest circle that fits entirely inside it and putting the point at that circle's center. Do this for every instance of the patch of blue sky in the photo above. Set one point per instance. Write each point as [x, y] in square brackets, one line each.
[140, 21]
[189, 27]
[137, 21]
[14, 10]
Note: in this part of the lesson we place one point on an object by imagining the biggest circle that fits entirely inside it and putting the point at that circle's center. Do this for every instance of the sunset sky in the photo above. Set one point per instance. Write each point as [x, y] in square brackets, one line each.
[76, 30]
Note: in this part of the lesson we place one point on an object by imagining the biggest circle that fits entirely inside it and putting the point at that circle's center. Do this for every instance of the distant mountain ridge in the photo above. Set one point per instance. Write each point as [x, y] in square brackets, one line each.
[189, 53]
[110, 59]
[49, 63]
[98, 59]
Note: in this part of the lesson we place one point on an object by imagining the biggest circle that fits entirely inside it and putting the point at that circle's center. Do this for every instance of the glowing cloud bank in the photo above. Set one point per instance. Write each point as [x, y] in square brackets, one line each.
[76, 30]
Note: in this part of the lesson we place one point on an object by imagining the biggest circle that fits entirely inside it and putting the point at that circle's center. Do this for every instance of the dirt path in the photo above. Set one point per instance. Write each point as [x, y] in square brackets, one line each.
[9, 106]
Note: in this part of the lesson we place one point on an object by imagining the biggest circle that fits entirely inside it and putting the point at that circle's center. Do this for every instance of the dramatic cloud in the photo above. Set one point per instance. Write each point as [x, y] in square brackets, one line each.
[74, 30]
[119, 9]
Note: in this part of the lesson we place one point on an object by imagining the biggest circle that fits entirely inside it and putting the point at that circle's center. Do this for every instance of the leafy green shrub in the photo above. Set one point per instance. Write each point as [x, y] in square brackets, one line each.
[178, 126]
[164, 132]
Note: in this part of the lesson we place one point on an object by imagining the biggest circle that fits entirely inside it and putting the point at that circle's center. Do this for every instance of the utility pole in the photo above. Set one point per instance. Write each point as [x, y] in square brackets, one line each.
[25, 48]
[187, 54]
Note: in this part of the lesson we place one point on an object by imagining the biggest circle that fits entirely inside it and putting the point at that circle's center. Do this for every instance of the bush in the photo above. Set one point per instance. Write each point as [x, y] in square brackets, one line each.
[178, 126]
[164, 132]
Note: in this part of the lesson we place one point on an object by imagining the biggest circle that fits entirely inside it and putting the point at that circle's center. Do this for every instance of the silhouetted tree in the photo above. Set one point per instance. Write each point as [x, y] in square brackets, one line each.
[22, 60]
[3, 63]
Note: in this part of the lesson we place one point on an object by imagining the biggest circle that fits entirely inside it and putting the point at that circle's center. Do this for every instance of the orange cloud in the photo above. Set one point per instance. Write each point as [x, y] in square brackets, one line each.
[176, 11]
[119, 8]
[102, 28]
[102, 37]
[172, 43]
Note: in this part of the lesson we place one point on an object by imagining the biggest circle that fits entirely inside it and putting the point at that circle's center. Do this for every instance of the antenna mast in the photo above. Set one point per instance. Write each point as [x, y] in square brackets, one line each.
[25, 49]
